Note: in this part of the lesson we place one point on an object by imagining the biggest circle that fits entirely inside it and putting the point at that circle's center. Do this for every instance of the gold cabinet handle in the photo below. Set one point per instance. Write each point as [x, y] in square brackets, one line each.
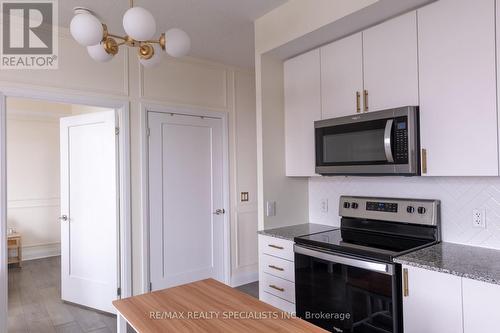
[405, 282]
[365, 99]
[358, 102]
[424, 160]
[276, 247]
[276, 268]
[277, 288]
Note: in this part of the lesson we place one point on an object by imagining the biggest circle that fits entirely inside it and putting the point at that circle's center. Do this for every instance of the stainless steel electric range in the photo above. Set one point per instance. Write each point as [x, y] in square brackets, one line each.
[345, 279]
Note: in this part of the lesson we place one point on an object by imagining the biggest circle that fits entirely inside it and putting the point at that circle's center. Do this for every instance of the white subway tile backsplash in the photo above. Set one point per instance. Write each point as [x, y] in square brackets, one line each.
[458, 195]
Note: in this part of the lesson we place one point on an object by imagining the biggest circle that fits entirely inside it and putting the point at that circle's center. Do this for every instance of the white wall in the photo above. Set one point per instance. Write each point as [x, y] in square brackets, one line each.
[280, 26]
[33, 172]
[458, 195]
[296, 18]
[187, 82]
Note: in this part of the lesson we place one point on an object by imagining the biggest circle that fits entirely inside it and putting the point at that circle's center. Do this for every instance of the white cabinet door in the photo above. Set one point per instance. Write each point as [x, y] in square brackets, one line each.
[433, 303]
[481, 304]
[390, 63]
[457, 69]
[302, 108]
[341, 77]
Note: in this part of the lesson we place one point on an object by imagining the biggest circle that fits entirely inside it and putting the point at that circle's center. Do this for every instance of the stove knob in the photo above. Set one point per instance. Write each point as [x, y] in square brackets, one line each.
[410, 209]
[421, 210]
[347, 205]
[354, 205]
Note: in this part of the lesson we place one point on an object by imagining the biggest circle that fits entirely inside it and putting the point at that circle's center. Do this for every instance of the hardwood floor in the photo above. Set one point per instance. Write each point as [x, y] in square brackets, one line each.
[35, 304]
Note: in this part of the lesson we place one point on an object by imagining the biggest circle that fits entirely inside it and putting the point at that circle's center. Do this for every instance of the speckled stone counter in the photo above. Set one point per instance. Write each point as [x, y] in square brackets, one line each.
[293, 231]
[466, 261]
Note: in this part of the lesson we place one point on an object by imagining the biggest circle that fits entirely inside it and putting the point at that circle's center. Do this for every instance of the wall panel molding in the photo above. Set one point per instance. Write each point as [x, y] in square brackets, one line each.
[32, 203]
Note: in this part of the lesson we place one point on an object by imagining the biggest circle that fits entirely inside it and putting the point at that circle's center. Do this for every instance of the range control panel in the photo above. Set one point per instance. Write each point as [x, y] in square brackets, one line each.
[382, 206]
[413, 211]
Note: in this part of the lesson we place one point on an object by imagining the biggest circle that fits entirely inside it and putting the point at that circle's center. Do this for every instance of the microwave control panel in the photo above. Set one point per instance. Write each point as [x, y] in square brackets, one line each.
[400, 140]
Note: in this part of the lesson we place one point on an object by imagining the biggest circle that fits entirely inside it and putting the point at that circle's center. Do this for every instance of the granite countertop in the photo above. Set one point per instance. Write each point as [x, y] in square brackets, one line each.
[471, 262]
[293, 231]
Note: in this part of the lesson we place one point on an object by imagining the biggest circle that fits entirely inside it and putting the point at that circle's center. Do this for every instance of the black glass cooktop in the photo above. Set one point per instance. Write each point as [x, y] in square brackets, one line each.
[376, 245]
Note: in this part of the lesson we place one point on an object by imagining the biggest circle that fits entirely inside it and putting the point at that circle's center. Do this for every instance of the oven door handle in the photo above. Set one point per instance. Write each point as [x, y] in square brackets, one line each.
[387, 269]
[387, 140]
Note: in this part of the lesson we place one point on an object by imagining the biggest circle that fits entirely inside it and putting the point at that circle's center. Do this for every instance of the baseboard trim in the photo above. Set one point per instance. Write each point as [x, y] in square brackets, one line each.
[41, 251]
[244, 278]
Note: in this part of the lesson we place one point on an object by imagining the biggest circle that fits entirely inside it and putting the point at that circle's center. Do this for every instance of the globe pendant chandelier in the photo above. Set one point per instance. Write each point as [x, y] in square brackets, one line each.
[140, 28]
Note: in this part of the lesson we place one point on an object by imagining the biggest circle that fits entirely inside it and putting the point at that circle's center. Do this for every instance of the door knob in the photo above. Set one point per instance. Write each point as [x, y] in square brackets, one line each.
[220, 211]
[63, 218]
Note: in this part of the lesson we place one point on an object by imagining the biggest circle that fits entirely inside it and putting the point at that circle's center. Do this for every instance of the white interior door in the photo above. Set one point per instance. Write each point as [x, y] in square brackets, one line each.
[185, 190]
[89, 210]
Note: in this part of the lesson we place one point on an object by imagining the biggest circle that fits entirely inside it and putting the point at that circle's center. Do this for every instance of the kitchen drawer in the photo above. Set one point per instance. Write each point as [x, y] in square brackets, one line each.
[277, 247]
[278, 302]
[282, 268]
[278, 287]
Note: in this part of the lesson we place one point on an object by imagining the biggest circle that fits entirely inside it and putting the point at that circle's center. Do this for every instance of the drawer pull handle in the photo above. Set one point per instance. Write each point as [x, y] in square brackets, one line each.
[277, 288]
[276, 247]
[276, 268]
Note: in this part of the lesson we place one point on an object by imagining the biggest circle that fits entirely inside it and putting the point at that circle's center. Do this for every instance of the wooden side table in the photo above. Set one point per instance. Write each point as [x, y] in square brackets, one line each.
[14, 246]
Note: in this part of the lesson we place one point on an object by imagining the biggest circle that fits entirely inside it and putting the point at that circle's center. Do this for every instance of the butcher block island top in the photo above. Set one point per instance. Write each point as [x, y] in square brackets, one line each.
[206, 306]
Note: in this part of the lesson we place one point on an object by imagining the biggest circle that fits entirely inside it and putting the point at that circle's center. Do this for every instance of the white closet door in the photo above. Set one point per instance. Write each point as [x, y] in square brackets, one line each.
[185, 192]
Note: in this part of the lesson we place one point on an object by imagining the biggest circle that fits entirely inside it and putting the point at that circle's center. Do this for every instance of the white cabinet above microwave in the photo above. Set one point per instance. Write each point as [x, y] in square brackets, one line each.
[328, 82]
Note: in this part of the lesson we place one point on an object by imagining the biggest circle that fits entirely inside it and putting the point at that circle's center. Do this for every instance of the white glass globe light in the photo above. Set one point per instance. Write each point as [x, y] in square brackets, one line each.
[155, 59]
[139, 24]
[177, 43]
[98, 53]
[86, 29]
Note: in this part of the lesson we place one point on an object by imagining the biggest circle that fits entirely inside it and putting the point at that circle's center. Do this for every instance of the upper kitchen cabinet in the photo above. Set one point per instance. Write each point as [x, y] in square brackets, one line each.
[390, 66]
[457, 69]
[342, 77]
[302, 108]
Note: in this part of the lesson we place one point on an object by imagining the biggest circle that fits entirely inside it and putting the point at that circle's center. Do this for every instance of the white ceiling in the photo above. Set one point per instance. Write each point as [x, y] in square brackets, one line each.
[220, 30]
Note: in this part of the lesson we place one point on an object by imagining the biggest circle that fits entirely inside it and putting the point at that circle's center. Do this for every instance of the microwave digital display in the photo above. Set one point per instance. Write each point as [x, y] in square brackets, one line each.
[401, 126]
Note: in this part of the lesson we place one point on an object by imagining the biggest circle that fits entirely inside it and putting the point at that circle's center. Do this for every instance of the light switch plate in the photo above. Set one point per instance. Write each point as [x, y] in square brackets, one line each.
[324, 206]
[270, 208]
[244, 197]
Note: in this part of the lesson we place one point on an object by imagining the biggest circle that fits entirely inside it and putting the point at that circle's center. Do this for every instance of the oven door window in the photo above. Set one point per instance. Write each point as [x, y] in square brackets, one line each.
[341, 298]
[351, 144]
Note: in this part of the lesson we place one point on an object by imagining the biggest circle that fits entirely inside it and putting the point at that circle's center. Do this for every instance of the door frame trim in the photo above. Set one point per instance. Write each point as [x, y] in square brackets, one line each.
[125, 227]
[145, 108]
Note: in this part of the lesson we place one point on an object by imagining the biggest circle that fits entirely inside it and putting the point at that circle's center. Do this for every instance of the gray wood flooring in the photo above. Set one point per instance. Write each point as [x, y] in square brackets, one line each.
[251, 289]
[35, 304]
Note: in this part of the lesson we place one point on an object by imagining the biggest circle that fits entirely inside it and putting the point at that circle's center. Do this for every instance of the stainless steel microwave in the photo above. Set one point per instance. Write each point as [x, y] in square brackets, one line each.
[376, 143]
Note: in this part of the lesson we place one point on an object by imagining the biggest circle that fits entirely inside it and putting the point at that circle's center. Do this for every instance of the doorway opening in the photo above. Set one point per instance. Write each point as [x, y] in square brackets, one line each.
[64, 215]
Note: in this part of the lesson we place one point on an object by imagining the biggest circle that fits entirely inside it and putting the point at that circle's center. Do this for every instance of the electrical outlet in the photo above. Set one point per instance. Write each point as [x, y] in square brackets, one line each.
[324, 205]
[479, 218]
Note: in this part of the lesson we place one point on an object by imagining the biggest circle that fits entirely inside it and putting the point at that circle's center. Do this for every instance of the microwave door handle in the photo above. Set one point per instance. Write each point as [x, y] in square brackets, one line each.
[387, 140]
